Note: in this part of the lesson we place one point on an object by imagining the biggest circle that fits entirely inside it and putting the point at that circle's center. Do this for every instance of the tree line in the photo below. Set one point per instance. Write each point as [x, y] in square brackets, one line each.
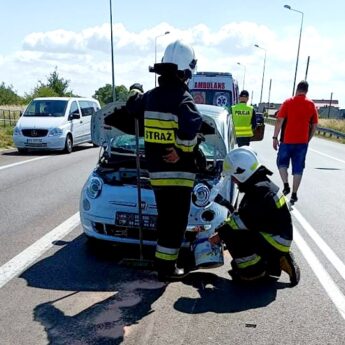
[56, 86]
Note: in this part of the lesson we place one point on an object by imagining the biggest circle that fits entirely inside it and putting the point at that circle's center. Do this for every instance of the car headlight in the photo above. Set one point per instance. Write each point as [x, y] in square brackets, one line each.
[201, 195]
[55, 132]
[94, 187]
[17, 131]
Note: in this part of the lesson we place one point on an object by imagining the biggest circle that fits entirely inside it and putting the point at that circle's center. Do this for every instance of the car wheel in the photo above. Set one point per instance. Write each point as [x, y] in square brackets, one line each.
[20, 150]
[68, 144]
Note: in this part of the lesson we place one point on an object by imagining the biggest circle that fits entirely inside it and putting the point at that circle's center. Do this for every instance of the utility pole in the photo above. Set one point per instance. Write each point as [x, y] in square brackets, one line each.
[306, 70]
[330, 104]
[269, 96]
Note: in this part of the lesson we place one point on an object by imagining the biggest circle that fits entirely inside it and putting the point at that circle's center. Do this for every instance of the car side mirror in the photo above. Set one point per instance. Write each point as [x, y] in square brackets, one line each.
[74, 116]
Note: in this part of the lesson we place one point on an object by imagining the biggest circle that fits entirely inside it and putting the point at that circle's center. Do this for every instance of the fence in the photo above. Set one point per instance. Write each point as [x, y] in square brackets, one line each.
[9, 117]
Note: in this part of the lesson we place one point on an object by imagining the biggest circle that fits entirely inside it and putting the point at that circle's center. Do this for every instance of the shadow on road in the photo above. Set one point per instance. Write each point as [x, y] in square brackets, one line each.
[220, 295]
[126, 294]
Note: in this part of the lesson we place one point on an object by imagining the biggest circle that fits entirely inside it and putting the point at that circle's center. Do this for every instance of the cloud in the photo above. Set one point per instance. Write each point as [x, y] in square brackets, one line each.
[84, 57]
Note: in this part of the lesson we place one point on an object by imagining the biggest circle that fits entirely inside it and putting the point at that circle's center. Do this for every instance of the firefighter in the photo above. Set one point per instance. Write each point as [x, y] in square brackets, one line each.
[259, 234]
[244, 119]
[171, 123]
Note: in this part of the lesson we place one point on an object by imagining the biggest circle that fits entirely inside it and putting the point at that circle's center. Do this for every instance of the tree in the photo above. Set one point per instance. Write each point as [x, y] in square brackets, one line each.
[8, 96]
[105, 94]
[55, 87]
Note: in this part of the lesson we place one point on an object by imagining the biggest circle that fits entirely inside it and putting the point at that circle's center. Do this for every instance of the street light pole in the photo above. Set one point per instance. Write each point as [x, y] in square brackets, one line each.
[112, 52]
[244, 73]
[299, 44]
[165, 33]
[263, 72]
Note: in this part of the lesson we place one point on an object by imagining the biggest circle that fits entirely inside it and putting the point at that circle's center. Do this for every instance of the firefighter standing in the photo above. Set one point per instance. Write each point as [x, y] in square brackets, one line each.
[171, 123]
[244, 119]
[258, 235]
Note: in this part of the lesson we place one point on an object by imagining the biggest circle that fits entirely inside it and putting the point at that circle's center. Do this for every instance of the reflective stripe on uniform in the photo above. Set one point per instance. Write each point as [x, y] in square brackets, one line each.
[159, 136]
[247, 261]
[236, 223]
[278, 242]
[154, 115]
[168, 254]
[186, 145]
[172, 178]
[280, 200]
[160, 127]
[244, 131]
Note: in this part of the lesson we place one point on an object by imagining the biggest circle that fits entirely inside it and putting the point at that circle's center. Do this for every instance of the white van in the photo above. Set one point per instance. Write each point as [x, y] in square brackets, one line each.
[55, 123]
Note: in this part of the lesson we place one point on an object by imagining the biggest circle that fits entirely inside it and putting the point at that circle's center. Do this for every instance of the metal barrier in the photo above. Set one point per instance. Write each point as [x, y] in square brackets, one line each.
[319, 130]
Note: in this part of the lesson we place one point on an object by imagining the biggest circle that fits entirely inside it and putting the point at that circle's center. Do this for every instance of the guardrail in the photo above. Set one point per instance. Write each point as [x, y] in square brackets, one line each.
[319, 130]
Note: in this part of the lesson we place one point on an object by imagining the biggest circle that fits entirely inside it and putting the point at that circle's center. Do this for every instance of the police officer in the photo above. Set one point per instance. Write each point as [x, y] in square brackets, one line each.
[244, 119]
[171, 123]
[259, 234]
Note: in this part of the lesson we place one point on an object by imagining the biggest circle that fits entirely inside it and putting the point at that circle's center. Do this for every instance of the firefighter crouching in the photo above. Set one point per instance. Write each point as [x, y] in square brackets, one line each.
[259, 234]
[171, 123]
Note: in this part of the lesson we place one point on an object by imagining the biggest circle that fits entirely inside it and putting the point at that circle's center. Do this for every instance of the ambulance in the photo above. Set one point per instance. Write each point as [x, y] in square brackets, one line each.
[215, 88]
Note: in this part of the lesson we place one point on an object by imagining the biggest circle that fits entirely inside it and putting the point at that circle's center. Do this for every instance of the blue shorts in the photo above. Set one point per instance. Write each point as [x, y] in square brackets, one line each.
[294, 152]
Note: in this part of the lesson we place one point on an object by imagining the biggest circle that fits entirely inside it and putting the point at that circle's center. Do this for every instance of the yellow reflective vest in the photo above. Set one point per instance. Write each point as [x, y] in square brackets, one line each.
[242, 118]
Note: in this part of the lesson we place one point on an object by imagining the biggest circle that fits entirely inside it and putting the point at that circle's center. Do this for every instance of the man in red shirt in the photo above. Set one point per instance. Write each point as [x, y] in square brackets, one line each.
[297, 121]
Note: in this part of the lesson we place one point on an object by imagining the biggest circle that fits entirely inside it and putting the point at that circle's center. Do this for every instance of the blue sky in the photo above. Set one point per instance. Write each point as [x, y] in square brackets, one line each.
[74, 36]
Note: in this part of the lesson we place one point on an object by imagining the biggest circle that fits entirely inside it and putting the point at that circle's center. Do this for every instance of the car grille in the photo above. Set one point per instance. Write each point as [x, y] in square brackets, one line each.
[125, 232]
[33, 133]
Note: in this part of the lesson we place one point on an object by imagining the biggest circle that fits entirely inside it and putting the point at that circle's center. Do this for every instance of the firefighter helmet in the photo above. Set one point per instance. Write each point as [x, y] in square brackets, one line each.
[241, 163]
[182, 55]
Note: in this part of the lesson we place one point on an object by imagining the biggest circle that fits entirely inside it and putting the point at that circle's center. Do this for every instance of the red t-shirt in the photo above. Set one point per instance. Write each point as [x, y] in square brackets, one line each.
[298, 113]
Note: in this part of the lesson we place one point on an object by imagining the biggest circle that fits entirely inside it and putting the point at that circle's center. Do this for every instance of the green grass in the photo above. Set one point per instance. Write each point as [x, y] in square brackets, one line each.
[6, 136]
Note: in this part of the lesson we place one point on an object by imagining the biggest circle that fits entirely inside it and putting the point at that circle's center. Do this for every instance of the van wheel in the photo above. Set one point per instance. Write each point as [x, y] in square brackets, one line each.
[68, 144]
[20, 150]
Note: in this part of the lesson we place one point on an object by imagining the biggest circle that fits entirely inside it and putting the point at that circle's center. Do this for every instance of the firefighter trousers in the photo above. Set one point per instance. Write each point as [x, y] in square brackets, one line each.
[252, 254]
[173, 205]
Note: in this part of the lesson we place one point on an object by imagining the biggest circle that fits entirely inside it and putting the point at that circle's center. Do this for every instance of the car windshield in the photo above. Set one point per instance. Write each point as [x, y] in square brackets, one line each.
[55, 108]
[126, 143]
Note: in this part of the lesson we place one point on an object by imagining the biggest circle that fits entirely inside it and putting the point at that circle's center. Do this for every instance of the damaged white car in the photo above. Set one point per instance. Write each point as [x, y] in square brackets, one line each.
[109, 203]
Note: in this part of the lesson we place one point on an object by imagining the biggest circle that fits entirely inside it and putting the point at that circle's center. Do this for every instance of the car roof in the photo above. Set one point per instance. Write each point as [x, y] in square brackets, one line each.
[64, 99]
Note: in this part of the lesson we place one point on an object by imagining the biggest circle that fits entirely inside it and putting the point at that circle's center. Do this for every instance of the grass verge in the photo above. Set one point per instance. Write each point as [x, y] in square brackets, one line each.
[6, 137]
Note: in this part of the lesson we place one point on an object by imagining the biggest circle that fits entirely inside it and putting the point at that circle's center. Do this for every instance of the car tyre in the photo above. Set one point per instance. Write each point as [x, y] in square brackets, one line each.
[21, 150]
[68, 144]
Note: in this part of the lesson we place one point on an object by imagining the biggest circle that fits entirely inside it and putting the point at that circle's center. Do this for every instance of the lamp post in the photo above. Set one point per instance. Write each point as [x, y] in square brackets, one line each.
[244, 73]
[299, 44]
[165, 33]
[112, 52]
[263, 72]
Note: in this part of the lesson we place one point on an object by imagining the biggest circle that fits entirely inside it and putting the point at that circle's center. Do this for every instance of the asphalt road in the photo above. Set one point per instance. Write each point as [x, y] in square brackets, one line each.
[56, 289]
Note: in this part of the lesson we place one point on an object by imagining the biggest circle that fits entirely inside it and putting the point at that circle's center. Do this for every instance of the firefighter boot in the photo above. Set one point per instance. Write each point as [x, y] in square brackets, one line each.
[289, 265]
[175, 275]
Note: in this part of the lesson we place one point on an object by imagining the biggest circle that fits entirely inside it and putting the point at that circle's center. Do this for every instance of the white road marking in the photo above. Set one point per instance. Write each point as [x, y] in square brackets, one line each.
[328, 156]
[325, 279]
[20, 163]
[324, 247]
[24, 259]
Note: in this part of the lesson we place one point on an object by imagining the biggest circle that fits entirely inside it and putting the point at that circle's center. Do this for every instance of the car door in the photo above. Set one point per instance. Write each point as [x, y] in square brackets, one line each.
[76, 122]
[87, 109]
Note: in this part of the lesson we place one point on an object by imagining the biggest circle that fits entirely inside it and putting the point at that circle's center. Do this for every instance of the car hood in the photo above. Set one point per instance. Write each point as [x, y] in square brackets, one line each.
[121, 123]
[40, 122]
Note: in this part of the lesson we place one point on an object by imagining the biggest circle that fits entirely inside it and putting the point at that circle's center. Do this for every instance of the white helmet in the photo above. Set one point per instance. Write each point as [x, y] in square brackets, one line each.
[182, 55]
[241, 163]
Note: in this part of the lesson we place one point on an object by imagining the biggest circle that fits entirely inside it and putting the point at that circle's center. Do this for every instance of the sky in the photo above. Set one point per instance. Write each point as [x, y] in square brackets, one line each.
[73, 36]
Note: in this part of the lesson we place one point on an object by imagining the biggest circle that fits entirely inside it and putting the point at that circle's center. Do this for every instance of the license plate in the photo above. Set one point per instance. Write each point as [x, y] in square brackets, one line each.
[33, 141]
[131, 220]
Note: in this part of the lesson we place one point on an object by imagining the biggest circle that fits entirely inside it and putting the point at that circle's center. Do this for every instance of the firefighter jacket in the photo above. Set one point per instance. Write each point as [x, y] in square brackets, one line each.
[243, 116]
[263, 209]
[170, 119]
